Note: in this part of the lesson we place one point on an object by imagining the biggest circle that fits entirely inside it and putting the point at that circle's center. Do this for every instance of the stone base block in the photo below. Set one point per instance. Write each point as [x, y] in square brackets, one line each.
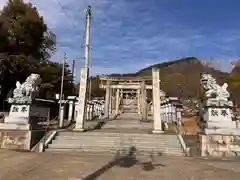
[15, 139]
[19, 136]
[210, 124]
[222, 131]
[4, 126]
[79, 130]
[157, 131]
[219, 145]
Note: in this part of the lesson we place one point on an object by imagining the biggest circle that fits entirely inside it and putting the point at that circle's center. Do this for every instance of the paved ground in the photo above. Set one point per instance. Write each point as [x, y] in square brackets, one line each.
[32, 166]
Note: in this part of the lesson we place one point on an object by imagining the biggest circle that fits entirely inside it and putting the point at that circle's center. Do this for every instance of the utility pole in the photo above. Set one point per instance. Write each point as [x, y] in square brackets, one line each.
[61, 107]
[81, 107]
[73, 71]
[87, 36]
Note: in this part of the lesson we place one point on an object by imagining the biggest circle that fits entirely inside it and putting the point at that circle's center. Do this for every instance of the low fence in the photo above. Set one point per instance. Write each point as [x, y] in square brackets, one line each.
[171, 110]
[94, 109]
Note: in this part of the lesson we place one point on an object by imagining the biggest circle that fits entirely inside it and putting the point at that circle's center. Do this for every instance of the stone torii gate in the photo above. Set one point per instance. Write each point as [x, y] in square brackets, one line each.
[117, 86]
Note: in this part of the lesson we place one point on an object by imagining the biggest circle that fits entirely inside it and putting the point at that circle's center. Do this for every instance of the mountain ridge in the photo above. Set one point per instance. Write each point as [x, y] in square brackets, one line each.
[181, 77]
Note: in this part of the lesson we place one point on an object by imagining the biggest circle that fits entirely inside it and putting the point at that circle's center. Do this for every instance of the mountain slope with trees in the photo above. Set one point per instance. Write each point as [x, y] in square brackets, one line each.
[181, 78]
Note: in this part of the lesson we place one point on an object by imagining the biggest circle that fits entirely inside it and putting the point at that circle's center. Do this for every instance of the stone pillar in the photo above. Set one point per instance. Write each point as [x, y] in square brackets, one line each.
[121, 101]
[179, 114]
[91, 112]
[81, 106]
[143, 101]
[157, 123]
[117, 101]
[70, 111]
[88, 111]
[107, 99]
[61, 115]
[113, 101]
[164, 106]
[110, 102]
[138, 101]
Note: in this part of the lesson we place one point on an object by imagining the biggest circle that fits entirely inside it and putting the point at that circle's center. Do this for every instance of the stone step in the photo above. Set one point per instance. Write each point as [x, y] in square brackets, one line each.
[118, 140]
[112, 142]
[112, 134]
[79, 152]
[120, 137]
[131, 139]
[130, 126]
[115, 148]
[106, 143]
[115, 151]
[107, 146]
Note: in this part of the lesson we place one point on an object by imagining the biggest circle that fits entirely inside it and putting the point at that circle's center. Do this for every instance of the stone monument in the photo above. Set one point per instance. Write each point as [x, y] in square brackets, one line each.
[221, 135]
[21, 128]
[216, 110]
[23, 106]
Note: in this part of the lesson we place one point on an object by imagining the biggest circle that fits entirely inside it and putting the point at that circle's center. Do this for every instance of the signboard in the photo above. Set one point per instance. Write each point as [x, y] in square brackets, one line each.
[19, 110]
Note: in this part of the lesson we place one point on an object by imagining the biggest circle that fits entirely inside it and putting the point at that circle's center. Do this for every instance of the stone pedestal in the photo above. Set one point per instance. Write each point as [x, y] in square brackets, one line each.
[21, 129]
[217, 117]
[219, 145]
[26, 113]
[14, 136]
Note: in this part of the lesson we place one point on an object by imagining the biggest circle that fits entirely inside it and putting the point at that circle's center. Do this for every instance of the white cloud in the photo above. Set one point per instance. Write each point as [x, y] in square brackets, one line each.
[126, 34]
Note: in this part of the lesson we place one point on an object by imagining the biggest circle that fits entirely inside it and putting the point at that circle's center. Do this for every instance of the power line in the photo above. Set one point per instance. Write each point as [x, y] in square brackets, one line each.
[66, 14]
[71, 21]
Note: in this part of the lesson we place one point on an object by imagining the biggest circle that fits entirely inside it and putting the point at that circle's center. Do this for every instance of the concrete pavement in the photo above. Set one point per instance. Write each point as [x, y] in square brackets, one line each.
[34, 166]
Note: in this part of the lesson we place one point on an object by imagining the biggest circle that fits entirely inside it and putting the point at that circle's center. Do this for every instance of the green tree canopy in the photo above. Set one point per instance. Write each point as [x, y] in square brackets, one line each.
[26, 45]
[26, 31]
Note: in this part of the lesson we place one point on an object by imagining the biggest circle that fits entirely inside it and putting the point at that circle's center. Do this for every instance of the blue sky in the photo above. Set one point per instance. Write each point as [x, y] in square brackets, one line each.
[128, 35]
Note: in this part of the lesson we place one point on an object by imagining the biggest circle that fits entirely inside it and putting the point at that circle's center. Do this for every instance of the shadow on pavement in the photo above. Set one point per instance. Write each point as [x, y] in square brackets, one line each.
[124, 161]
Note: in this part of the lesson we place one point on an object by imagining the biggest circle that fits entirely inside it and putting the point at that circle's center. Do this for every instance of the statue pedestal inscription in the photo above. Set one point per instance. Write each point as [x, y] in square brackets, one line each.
[217, 118]
[26, 113]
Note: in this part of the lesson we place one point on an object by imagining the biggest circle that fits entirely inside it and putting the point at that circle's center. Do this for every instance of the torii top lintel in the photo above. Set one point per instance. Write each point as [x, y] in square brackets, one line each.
[125, 78]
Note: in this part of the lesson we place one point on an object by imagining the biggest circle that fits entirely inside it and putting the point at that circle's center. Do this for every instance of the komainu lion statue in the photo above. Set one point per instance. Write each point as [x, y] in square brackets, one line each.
[27, 91]
[30, 86]
[212, 89]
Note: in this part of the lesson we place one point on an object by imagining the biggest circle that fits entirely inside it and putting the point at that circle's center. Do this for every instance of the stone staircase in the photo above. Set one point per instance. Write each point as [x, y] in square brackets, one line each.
[102, 142]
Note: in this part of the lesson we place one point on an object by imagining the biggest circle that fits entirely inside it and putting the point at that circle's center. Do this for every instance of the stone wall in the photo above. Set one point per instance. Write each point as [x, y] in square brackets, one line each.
[15, 139]
[219, 145]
